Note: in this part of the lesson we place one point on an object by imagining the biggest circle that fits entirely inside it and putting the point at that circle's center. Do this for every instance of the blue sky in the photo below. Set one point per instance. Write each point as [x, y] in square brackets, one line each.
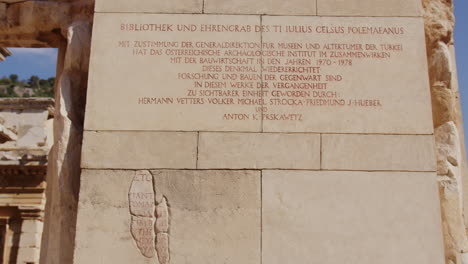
[461, 46]
[27, 62]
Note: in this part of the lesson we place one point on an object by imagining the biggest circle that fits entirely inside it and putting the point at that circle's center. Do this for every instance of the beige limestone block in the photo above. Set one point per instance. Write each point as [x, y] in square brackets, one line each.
[31, 226]
[350, 217]
[214, 215]
[157, 78]
[141, 195]
[103, 233]
[149, 6]
[357, 78]
[31, 240]
[270, 7]
[258, 151]
[139, 150]
[378, 152]
[393, 8]
[28, 255]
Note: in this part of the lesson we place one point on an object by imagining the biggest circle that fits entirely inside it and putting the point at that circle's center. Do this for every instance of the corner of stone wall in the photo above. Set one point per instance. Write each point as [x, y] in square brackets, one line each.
[448, 124]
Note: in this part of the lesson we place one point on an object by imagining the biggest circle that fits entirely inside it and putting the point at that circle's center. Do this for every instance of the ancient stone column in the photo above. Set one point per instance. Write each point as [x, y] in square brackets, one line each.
[64, 166]
[448, 124]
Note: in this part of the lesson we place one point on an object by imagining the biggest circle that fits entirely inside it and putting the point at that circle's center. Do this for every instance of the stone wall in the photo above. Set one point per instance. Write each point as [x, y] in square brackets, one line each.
[162, 177]
[65, 25]
[448, 124]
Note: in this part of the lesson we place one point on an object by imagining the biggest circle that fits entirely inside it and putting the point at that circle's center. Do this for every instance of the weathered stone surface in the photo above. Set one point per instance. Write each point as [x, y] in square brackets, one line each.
[148, 6]
[441, 66]
[439, 21]
[28, 255]
[214, 216]
[258, 150]
[378, 152]
[31, 226]
[441, 71]
[453, 224]
[139, 150]
[272, 7]
[161, 91]
[162, 247]
[30, 240]
[6, 134]
[368, 95]
[350, 217]
[41, 23]
[63, 177]
[451, 192]
[219, 208]
[443, 104]
[104, 221]
[449, 154]
[451, 163]
[25, 124]
[162, 214]
[143, 234]
[393, 8]
[141, 195]
[142, 207]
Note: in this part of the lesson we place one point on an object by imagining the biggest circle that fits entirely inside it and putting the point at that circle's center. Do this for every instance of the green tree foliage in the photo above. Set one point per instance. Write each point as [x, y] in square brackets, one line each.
[14, 78]
[11, 86]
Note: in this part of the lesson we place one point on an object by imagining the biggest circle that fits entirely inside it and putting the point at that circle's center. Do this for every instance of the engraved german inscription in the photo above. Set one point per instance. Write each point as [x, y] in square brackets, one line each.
[278, 74]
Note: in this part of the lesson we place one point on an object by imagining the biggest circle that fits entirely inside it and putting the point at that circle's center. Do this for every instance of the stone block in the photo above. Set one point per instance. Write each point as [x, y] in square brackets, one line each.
[104, 220]
[32, 226]
[214, 217]
[350, 77]
[391, 8]
[258, 151]
[270, 7]
[172, 90]
[378, 152]
[139, 150]
[28, 255]
[350, 217]
[30, 240]
[149, 6]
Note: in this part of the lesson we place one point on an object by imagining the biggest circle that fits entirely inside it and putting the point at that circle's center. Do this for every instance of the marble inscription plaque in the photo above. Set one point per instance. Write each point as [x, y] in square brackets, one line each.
[349, 75]
[243, 73]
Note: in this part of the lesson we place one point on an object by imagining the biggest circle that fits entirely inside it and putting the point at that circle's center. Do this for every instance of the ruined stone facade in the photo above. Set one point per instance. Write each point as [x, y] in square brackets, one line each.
[25, 141]
[65, 25]
[448, 125]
